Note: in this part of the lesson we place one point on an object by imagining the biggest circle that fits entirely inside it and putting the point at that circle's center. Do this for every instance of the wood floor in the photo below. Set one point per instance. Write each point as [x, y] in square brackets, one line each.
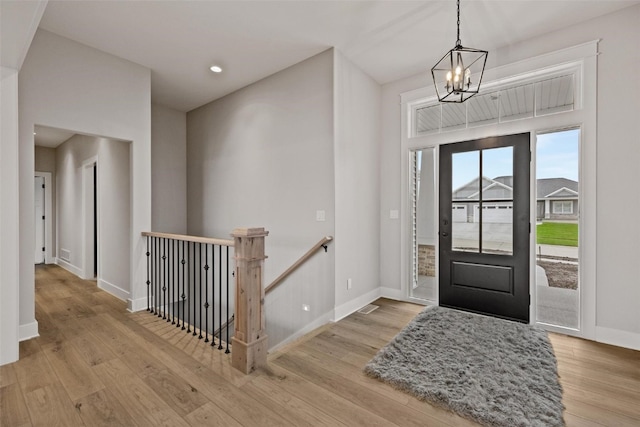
[95, 364]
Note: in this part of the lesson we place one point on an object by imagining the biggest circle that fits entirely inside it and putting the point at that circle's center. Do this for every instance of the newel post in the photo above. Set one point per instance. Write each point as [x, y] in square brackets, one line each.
[250, 340]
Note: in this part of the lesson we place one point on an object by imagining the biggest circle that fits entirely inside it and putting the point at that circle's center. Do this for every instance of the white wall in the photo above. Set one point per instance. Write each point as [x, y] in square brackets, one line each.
[18, 23]
[67, 85]
[114, 217]
[168, 170]
[114, 208]
[263, 157]
[70, 157]
[9, 237]
[618, 293]
[357, 100]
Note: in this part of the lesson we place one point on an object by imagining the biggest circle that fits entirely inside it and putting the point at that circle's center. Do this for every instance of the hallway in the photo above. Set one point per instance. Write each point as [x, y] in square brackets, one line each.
[96, 364]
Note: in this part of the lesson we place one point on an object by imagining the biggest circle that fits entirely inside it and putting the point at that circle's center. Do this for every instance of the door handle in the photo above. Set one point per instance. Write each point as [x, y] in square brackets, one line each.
[444, 234]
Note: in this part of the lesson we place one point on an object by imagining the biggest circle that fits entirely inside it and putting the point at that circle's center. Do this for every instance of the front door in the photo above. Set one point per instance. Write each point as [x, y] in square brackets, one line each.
[484, 226]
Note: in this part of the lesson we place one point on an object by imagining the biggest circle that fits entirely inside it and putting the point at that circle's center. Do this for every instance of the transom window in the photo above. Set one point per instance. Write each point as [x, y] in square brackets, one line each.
[522, 97]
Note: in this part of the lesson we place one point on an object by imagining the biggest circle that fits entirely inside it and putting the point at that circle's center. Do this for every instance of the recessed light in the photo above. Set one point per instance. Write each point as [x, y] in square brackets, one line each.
[216, 69]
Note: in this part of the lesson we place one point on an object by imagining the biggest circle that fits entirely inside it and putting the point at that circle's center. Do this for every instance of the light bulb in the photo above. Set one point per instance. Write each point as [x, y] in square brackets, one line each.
[458, 70]
[448, 76]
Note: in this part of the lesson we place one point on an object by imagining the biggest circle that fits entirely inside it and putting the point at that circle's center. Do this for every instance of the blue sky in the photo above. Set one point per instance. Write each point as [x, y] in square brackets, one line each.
[556, 157]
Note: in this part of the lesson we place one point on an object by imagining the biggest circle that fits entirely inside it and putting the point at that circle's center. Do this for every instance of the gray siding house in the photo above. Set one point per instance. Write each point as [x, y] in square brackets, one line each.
[556, 199]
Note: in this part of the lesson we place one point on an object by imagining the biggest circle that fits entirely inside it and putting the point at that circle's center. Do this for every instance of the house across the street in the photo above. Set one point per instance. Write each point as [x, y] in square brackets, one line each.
[557, 199]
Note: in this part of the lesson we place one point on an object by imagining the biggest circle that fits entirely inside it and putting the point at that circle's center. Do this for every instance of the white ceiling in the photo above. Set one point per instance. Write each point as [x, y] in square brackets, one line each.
[180, 40]
[45, 136]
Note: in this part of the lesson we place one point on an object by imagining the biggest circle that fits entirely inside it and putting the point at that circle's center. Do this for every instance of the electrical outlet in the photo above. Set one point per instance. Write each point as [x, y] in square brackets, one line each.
[305, 307]
[320, 216]
[394, 214]
[349, 284]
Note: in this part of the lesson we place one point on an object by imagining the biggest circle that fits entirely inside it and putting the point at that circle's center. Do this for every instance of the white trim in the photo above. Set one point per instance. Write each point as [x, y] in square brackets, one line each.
[320, 321]
[559, 190]
[618, 337]
[28, 331]
[584, 59]
[392, 293]
[69, 267]
[134, 305]
[556, 58]
[355, 304]
[48, 214]
[555, 203]
[114, 290]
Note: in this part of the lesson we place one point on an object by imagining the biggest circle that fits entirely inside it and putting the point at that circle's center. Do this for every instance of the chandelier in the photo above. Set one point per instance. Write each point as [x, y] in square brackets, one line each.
[458, 74]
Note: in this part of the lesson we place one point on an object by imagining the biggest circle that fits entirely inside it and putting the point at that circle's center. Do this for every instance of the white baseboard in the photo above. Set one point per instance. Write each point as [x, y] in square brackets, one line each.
[355, 304]
[138, 304]
[392, 293]
[114, 290]
[28, 331]
[618, 338]
[69, 267]
[320, 321]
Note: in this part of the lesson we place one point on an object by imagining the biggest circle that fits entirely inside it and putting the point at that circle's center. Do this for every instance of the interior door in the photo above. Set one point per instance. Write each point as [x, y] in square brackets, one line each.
[39, 219]
[484, 226]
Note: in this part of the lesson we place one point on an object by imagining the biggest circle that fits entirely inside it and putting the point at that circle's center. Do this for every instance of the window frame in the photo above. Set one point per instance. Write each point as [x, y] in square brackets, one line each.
[555, 203]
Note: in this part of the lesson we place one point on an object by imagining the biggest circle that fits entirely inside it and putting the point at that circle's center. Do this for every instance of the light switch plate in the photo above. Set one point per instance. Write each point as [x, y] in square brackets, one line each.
[394, 214]
[320, 216]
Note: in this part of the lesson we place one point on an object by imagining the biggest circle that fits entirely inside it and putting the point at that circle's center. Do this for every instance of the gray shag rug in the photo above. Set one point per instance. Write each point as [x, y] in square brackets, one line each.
[492, 371]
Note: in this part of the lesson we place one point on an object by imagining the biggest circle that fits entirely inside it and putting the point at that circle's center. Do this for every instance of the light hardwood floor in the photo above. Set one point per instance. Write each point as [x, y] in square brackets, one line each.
[95, 364]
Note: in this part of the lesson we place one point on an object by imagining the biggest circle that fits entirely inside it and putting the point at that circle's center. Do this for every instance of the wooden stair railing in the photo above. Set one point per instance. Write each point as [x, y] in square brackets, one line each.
[250, 339]
[321, 244]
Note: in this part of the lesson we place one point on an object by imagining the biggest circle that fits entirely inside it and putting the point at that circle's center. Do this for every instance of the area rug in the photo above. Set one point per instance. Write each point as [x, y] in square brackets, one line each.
[492, 371]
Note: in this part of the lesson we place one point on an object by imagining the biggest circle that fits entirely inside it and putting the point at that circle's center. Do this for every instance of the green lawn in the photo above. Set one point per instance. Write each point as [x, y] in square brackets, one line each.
[558, 233]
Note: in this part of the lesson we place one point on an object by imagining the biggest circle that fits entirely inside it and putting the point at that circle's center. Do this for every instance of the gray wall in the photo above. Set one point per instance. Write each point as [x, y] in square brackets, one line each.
[263, 157]
[357, 183]
[168, 170]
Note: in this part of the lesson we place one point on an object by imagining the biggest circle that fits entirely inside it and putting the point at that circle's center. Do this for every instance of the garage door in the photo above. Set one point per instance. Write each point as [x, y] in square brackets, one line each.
[499, 213]
[459, 213]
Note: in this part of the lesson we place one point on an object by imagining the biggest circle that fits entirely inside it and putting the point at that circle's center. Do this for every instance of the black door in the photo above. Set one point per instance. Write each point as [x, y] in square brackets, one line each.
[484, 226]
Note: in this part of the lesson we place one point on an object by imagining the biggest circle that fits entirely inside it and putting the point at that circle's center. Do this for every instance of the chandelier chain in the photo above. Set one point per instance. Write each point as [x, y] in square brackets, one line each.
[458, 41]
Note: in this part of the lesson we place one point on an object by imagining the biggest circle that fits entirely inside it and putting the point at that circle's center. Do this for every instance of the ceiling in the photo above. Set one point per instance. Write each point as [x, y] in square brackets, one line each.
[250, 40]
[45, 136]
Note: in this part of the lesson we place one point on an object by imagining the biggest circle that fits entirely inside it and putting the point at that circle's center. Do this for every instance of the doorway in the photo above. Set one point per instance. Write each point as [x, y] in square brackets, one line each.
[39, 216]
[484, 226]
[90, 218]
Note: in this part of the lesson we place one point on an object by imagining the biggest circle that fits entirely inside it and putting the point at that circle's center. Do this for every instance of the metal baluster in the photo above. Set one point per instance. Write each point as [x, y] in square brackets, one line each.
[195, 280]
[213, 293]
[154, 279]
[191, 263]
[227, 350]
[148, 275]
[219, 297]
[206, 294]
[180, 294]
[200, 289]
[164, 279]
[174, 262]
[158, 274]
